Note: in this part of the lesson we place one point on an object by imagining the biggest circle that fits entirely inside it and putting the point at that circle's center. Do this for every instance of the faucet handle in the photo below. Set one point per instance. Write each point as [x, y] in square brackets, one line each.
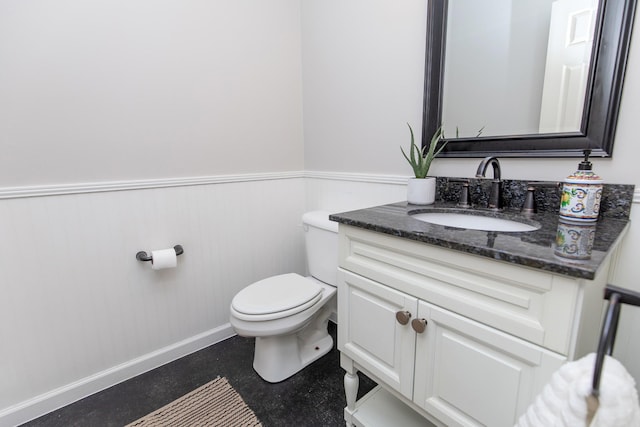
[529, 206]
[464, 201]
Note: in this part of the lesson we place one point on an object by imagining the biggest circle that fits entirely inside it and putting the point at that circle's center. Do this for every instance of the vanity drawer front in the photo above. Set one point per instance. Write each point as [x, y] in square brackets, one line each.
[537, 306]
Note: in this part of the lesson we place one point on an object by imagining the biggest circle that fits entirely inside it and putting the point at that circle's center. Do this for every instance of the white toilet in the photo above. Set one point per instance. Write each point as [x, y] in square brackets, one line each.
[288, 314]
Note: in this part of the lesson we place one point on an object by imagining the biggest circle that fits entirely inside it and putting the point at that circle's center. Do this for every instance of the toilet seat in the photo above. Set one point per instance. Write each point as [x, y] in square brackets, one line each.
[276, 297]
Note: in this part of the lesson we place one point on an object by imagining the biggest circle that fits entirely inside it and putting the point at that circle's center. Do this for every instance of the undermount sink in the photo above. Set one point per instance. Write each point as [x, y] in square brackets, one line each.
[474, 222]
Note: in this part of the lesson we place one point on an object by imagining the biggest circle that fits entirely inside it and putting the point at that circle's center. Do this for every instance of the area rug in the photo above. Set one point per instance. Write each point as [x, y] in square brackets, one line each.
[214, 404]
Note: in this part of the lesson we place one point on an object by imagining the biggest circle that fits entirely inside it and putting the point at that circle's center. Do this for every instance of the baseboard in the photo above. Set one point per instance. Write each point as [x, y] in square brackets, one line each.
[55, 399]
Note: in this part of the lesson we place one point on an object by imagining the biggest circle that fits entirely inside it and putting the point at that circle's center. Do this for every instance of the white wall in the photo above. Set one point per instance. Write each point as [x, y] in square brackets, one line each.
[154, 97]
[358, 96]
[362, 82]
[116, 90]
[79, 312]
[192, 111]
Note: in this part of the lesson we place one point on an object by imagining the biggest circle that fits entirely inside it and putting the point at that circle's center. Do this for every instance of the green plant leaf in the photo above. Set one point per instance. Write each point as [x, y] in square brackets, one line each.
[420, 158]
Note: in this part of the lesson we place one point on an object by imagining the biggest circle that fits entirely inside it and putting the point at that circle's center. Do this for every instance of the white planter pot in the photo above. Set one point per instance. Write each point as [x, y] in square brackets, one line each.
[421, 191]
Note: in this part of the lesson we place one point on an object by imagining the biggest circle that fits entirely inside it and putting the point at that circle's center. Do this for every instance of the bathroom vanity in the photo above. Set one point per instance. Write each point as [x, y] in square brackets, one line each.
[460, 327]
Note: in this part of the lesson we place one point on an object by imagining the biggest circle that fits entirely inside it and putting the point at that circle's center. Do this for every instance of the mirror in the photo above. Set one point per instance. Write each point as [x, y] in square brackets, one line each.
[536, 78]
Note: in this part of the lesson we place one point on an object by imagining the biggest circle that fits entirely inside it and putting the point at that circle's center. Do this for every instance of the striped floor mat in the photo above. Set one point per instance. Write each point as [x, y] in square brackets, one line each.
[214, 404]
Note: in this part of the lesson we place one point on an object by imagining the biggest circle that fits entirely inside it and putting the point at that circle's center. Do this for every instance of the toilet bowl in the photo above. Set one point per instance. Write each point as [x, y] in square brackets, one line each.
[288, 314]
[288, 337]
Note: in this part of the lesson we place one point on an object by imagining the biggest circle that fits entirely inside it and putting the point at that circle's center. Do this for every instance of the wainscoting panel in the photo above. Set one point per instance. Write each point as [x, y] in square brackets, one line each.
[76, 303]
[339, 192]
[79, 313]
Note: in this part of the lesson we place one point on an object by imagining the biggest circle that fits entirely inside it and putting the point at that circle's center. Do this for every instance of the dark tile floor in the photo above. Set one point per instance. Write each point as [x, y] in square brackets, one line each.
[312, 397]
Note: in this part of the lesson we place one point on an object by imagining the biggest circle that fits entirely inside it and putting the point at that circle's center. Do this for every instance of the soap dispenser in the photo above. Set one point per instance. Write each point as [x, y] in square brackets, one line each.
[581, 193]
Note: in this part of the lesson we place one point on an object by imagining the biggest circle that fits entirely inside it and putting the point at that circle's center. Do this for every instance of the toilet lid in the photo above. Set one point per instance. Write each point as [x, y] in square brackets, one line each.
[276, 294]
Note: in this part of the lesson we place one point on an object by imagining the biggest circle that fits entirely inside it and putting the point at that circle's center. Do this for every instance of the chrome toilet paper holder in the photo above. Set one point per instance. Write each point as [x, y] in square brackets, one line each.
[143, 256]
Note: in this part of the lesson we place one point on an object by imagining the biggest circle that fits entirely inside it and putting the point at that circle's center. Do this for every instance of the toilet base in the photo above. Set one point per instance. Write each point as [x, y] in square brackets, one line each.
[279, 357]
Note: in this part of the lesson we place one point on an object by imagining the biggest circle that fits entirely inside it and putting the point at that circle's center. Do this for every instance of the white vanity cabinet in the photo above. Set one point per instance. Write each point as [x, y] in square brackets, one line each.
[460, 339]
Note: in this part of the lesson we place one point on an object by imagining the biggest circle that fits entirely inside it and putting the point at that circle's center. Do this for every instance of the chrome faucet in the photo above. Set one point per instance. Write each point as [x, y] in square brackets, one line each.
[494, 196]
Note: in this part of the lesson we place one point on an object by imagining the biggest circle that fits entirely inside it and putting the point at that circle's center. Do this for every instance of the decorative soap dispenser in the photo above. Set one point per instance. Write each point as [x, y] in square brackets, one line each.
[581, 193]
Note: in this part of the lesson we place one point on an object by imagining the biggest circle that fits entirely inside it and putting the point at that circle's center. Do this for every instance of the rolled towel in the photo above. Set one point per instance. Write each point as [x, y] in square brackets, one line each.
[563, 402]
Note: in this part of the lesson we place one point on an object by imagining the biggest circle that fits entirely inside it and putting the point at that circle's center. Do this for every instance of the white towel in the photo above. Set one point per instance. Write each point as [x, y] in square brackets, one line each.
[563, 402]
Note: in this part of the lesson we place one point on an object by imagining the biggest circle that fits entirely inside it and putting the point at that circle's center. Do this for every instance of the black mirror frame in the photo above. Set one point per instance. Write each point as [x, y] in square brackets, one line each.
[600, 117]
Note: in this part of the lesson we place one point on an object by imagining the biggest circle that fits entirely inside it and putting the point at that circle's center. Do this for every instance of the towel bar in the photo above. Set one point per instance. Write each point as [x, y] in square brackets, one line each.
[616, 297]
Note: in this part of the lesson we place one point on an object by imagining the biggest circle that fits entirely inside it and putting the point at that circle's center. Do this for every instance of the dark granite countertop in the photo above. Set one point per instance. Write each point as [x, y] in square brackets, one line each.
[535, 249]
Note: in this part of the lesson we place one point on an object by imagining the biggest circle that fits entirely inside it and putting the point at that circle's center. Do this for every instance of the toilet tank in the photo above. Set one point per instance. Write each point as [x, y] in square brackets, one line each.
[321, 243]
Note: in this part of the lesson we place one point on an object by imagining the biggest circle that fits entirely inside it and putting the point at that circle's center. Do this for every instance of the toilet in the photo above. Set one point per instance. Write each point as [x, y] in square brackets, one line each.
[288, 314]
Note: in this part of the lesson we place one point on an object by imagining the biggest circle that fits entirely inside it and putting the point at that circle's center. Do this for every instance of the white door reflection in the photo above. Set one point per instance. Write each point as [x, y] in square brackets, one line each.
[567, 65]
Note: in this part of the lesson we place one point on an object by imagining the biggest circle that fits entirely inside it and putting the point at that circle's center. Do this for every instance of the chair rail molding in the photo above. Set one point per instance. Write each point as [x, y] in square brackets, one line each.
[99, 187]
[106, 186]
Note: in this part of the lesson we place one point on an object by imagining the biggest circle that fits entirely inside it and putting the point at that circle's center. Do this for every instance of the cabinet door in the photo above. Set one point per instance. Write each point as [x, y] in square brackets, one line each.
[369, 333]
[468, 374]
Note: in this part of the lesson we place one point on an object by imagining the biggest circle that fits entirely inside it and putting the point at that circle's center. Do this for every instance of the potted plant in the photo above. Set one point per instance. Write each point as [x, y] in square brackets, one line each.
[421, 190]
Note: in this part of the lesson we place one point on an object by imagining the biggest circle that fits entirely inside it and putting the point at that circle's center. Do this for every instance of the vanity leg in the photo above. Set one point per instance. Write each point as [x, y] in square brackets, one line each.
[351, 384]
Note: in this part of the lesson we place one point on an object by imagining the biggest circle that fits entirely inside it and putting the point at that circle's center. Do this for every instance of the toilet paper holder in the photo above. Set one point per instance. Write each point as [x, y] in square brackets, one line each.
[143, 256]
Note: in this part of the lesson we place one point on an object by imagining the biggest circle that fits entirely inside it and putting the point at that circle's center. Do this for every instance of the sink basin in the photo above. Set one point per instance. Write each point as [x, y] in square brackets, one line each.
[474, 222]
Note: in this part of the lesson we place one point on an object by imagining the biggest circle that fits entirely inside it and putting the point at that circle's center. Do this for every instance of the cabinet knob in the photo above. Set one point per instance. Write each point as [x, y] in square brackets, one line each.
[419, 325]
[403, 317]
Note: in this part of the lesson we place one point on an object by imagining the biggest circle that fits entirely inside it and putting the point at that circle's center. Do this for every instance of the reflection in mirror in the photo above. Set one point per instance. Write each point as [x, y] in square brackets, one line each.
[567, 64]
[541, 78]
[525, 73]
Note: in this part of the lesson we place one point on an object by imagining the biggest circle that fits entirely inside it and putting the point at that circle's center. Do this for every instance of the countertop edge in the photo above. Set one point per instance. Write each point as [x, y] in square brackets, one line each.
[380, 219]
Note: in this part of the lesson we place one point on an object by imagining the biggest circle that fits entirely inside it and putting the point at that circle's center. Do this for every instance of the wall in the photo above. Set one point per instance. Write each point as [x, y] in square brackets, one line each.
[361, 108]
[80, 313]
[119, 90]
[133, 125]
[340, 192]
[137, 125]
[359, 93]
[361, 82]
